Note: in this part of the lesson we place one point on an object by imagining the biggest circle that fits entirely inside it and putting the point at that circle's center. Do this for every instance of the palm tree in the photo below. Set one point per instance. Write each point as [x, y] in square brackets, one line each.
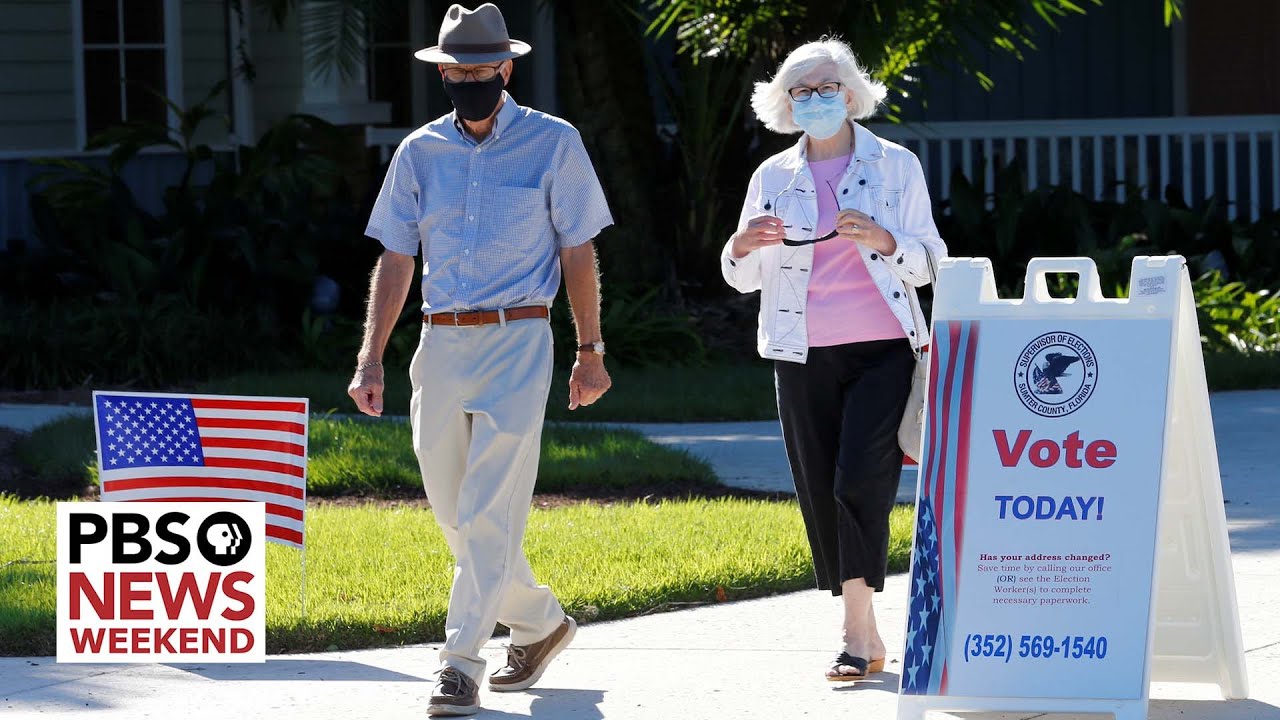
[673, 215]
[892, 36]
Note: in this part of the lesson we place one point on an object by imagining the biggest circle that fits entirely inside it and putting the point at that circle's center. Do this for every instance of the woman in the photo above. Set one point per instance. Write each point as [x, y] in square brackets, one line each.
[837, 233]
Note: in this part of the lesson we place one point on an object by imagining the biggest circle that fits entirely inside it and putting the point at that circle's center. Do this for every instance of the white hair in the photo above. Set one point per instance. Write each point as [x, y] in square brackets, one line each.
[772, 104]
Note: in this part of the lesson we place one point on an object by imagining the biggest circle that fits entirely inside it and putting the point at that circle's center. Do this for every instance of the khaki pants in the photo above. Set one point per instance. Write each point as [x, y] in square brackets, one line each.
[479, 397]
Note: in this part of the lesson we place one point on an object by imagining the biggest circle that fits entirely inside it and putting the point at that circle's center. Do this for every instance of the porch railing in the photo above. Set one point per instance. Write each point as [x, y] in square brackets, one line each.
[1235, 159]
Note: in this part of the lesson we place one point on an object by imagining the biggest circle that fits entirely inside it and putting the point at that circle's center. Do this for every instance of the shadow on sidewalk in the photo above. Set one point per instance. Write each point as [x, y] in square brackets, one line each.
[882, 681]
[1253, 528]
[1212, 710]
[280, 669]
[566, 702]
[50, 687]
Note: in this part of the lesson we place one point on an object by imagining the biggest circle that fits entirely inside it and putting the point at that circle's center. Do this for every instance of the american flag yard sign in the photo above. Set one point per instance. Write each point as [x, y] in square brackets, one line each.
[935, 566]
[206, 448]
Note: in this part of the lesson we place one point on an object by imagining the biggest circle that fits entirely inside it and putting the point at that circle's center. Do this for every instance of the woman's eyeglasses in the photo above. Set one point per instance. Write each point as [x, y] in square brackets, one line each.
[825, 90]
[797, 243]
[484, 73]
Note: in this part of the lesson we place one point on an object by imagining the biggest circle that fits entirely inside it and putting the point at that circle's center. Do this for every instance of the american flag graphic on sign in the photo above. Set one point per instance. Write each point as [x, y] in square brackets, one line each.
[924, 605]
[935, 567]
[205, 448]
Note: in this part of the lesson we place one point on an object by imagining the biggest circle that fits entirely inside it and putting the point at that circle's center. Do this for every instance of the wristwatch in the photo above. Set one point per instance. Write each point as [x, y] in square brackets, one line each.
[596, 347]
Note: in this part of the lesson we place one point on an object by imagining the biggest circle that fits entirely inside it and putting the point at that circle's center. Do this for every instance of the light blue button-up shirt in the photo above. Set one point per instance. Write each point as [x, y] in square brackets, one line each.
[490, 217]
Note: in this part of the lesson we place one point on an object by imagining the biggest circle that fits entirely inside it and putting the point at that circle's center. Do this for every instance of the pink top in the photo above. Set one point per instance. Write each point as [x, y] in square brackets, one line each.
[844, 305]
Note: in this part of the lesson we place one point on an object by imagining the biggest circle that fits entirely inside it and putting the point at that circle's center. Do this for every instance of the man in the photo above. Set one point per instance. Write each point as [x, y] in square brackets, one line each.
[501, 199]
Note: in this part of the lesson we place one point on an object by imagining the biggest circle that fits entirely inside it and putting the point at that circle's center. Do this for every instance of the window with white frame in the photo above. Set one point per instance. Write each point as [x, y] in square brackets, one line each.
[391, 64]
[127, 60]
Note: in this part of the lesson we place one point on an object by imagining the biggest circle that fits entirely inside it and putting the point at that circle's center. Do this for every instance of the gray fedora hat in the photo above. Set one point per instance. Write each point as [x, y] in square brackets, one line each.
[472, 37]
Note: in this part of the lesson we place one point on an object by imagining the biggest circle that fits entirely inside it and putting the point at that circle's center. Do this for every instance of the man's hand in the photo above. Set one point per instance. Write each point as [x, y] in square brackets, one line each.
[366, 389]
[588, 381]
[388, 288]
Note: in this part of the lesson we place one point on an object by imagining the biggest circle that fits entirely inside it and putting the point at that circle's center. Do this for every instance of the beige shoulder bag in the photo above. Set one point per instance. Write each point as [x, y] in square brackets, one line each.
[910, 430]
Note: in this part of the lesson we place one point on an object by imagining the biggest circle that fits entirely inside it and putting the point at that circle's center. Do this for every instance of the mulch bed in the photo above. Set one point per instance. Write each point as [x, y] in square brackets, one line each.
[598, 496]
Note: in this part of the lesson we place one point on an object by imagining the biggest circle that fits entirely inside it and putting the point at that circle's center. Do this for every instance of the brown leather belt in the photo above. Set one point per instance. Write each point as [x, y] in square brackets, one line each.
[487, 317]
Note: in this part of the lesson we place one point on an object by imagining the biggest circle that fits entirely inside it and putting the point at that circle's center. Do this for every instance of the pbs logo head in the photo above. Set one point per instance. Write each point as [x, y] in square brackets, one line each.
[224, 538]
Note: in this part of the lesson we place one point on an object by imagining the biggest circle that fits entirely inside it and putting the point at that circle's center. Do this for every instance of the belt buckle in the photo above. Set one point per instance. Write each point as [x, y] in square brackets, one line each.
[475, 319]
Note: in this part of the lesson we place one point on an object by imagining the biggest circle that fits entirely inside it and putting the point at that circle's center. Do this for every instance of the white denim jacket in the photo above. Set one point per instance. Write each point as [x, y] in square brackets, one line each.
[883, 180]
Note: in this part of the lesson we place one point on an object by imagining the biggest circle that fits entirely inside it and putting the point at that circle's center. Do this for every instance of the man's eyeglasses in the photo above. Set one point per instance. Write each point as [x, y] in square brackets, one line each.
[825, 90]
[484, 73]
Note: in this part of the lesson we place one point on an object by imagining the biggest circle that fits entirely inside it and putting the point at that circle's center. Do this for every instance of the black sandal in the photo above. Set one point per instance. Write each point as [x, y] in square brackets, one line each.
[845, 660]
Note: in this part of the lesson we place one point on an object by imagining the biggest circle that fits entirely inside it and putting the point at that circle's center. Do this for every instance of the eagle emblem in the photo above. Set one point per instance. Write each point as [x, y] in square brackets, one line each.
[1045, 376]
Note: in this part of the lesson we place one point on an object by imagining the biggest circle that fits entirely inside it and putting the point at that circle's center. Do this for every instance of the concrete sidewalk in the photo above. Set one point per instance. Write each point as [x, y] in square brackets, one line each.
[748, 455]
[753, 659]
[29, 417]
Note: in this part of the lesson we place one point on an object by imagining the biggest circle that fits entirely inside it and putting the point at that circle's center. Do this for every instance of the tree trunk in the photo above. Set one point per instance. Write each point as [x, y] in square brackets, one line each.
[604, 92]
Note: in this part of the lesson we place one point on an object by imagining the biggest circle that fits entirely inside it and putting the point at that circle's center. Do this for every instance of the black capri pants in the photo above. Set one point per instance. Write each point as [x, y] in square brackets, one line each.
[840, 413]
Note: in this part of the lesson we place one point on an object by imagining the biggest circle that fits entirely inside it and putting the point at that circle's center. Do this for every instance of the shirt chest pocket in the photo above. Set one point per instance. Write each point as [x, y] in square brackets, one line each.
[768, 203]
[886, 206]
[519, 216]
[791, 206]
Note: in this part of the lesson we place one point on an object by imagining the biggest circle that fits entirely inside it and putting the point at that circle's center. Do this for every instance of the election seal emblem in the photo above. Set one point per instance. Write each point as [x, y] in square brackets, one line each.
[1056, 374]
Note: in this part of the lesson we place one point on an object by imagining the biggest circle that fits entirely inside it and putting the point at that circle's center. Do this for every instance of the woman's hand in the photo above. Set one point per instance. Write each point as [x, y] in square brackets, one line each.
[859, 227]
[761, 231]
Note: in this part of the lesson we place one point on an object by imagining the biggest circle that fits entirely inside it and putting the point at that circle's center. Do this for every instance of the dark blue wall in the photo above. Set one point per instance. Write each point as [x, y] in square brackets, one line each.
[1115, 61]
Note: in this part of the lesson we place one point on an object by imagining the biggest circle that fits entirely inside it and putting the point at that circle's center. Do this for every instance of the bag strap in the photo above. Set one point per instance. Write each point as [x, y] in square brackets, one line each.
[913, 298]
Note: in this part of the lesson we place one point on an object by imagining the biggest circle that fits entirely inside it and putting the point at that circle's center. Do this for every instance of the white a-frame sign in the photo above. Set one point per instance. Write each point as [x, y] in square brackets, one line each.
[1070, 542]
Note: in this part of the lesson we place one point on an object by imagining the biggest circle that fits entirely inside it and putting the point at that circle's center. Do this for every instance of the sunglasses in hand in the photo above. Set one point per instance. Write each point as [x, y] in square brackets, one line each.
[797, 243]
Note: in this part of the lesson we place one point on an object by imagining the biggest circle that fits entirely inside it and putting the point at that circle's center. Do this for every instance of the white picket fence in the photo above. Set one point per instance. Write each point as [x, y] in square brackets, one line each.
[1233, 158]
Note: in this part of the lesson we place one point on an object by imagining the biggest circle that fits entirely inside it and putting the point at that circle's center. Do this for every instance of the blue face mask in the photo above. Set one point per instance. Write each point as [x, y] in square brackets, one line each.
[820, 117]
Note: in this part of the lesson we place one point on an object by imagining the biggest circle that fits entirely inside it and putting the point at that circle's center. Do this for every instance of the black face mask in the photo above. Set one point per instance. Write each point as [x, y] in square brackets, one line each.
[475, 101]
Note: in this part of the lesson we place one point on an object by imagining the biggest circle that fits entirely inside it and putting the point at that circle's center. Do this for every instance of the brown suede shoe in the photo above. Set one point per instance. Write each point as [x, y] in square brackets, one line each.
[454, 694]
[526, 663]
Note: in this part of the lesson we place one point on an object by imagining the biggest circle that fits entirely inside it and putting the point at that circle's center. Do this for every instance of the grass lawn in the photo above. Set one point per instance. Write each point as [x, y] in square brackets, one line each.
[658, 394]
[358, 457]
[380, 576]
[665, 394]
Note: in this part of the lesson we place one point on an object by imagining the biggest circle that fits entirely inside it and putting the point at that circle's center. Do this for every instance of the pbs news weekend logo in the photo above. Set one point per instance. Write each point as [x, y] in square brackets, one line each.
[161, 582]
[1055, 374]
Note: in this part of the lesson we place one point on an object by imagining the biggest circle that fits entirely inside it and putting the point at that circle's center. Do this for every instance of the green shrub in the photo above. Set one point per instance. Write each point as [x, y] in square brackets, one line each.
[63, 343]
[1057, 221]
[639, 330]
[1234, 318]
[254, 236]
[220, 280]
